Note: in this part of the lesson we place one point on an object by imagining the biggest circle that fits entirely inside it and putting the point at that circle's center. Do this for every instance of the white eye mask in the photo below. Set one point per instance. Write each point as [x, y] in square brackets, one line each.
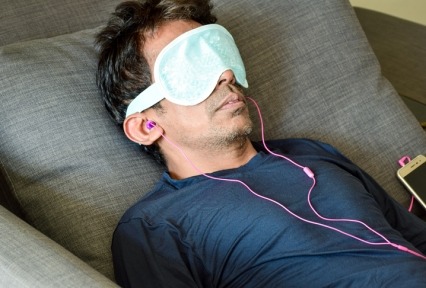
[187, 70]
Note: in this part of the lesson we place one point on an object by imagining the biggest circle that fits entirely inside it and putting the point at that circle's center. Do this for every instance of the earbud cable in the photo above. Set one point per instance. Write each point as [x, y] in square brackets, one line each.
[387, 242]
[311, 175]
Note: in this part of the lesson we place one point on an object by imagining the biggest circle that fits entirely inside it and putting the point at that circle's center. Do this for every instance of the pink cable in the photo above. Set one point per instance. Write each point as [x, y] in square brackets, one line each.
[410, 209]
[260, 196]
[310, 174]
[402, 163]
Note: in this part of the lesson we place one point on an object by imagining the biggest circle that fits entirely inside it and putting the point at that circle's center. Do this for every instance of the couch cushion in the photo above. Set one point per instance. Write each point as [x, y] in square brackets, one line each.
[30, 259]
[400, 47]
[73, 173]
[33, 19]
[71, 169]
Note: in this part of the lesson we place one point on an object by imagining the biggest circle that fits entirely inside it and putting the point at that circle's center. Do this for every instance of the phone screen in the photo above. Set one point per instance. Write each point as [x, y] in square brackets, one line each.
[417, 180]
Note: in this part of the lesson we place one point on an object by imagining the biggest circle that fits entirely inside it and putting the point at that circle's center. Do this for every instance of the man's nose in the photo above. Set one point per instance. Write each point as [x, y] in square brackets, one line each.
[226, 78]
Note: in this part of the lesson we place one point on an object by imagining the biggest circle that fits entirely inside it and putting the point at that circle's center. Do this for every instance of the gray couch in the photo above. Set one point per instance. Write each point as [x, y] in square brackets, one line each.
[67, 173]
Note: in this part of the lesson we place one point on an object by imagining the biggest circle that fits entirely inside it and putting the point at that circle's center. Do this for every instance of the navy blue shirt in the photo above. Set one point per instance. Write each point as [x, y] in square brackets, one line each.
[200, 232]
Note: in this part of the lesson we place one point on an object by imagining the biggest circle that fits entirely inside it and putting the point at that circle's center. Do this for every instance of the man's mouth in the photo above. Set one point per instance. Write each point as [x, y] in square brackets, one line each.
[232, 101]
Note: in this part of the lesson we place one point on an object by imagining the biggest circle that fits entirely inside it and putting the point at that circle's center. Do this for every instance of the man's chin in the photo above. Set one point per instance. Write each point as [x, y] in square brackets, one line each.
[240, 135]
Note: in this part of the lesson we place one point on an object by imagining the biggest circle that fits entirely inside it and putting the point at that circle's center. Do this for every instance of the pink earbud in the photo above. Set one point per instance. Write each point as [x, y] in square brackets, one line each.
[150, 124]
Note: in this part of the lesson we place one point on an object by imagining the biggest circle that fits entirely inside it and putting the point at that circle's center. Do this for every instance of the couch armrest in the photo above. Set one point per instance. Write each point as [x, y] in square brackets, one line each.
[30, 259]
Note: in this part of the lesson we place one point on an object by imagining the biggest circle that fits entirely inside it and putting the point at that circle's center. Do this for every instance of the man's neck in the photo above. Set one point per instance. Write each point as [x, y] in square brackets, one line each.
[208, 160]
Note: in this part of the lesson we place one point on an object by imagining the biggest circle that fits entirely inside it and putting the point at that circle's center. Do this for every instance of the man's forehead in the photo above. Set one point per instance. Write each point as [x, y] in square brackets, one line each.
[159, 37]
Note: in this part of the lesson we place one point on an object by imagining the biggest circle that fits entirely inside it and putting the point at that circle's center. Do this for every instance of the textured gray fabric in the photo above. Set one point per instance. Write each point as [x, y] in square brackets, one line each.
[30, 259]
[400, 46]
[34, 19]
[309, 65]
[71, 169]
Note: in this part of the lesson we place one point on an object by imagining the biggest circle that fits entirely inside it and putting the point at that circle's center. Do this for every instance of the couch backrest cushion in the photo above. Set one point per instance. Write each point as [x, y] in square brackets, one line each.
[400, 48]
[73, 173]
[71, 169]
[30, 259]
[34, 19]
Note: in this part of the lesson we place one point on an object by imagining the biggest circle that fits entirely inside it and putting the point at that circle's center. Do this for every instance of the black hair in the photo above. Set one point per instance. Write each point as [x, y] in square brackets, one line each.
[123, 72]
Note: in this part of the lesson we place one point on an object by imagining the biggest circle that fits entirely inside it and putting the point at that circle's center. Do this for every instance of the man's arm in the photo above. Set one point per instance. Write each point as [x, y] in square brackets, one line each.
[412, 228]
[409, 225]
[152, 256]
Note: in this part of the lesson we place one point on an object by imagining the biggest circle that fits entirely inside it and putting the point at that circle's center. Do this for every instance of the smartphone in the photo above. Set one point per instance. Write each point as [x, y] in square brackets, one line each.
[413, 176]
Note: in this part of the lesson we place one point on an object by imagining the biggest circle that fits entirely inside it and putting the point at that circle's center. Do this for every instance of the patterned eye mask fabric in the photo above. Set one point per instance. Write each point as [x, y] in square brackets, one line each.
[187, 70]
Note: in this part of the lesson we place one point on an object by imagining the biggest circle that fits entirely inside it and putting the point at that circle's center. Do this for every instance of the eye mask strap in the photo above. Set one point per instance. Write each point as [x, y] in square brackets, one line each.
[151, 96]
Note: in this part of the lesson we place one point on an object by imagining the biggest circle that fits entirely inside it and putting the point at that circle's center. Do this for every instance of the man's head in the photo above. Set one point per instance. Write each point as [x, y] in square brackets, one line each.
[123, 69]
[130, 46]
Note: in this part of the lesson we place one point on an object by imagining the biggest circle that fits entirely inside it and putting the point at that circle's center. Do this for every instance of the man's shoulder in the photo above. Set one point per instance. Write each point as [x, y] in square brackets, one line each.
[300, 146]
[142, 208]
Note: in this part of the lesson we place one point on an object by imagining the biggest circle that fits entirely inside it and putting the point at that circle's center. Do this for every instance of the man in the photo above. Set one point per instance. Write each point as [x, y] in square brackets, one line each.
[229, 212]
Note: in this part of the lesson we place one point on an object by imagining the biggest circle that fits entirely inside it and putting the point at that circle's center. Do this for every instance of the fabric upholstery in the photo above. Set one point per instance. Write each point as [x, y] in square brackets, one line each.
[402, 55]
[30, 259]
[71, 169]
[32, 19]
[71, 172]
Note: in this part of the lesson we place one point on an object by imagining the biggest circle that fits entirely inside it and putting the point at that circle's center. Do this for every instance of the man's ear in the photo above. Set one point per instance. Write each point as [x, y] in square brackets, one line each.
[136, 130]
